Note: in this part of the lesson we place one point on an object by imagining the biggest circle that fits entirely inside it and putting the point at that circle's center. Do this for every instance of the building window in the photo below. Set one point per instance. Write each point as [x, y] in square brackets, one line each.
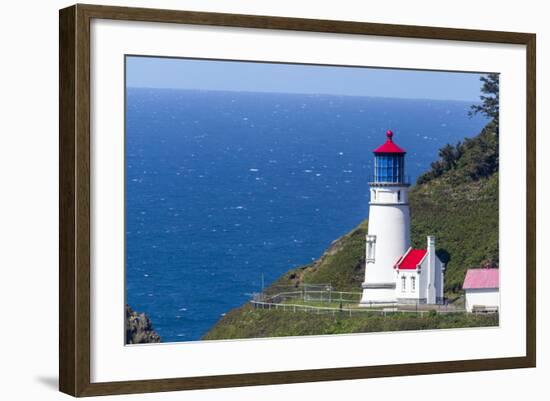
[413, 283]
[398, 196]
[371, 245]
[403, 284]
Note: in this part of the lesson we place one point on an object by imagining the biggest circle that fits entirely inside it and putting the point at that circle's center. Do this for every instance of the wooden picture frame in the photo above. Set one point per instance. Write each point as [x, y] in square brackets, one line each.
[74, 199]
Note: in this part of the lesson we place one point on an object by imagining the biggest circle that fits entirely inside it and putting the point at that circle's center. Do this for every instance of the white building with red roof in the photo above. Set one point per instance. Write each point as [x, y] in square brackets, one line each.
[419, 276]
[394, 272]
[481, 289]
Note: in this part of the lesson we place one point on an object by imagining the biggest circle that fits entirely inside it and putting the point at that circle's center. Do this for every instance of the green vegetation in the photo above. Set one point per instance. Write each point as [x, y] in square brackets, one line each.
[474, 159]
[247, 322]
[462, 213]
[489, 106]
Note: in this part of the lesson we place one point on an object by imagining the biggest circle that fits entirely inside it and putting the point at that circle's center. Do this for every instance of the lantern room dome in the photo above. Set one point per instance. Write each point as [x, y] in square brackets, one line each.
[389, 146]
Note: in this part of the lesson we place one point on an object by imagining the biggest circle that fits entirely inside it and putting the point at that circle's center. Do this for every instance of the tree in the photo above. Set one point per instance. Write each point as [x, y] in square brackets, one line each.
[489, 106]
[449, 155]
[476, 157]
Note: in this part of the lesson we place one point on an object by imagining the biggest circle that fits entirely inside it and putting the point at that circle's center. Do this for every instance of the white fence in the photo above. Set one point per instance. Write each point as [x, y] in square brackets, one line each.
[294, 299]
[348, 311]
[308, 295]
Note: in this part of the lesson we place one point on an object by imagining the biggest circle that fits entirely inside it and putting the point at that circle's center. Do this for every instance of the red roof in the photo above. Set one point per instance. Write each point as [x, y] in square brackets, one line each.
[389, 146]
[481, 278]
[411, 259]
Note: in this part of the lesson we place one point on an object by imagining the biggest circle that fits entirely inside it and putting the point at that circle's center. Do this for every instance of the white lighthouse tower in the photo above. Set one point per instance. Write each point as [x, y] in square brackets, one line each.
[388, 236]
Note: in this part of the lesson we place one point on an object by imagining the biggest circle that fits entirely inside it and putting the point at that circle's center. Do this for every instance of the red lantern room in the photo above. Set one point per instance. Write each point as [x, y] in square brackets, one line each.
[389, 162]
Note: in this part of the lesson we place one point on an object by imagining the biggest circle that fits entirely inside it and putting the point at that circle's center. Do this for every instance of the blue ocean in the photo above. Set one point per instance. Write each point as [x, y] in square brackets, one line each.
[224, 187]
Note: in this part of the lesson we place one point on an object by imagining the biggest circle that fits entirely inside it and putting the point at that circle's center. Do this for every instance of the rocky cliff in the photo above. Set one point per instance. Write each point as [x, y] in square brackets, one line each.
[139, 329]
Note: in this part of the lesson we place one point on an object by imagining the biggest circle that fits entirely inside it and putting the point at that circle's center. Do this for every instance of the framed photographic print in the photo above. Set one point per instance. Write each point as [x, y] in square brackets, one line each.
[250, 200]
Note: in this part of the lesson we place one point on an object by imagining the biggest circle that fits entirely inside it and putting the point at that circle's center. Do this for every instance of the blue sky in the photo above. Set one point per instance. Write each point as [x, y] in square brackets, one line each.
[174, 73]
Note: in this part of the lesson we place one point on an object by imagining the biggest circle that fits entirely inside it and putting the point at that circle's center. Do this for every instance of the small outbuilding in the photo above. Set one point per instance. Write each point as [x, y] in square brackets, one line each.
[481, 290]
[419, 276]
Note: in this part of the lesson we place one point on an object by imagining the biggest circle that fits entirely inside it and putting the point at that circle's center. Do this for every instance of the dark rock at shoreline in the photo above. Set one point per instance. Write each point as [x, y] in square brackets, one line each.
[139, 329]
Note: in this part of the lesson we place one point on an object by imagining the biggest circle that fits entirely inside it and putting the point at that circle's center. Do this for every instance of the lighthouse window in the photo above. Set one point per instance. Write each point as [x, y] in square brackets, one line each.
[389, 168]
[403, 284]
[413, 283]
[371, 244]
[398, 196]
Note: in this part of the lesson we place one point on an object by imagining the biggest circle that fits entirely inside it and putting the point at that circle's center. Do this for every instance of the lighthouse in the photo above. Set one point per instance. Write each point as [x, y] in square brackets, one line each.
[388, 237]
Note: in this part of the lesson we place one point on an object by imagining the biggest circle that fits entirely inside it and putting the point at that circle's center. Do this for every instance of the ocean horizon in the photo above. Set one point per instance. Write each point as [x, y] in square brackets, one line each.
[223, 188]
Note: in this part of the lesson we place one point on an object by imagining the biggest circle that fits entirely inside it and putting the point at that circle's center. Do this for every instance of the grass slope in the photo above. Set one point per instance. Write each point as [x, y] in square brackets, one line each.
[464, 219]
[342, 264]
[247, 322]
